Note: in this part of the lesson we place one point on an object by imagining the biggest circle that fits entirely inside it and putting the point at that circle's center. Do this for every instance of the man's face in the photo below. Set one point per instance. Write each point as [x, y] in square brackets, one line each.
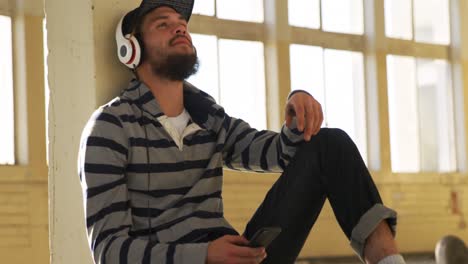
[167, 44]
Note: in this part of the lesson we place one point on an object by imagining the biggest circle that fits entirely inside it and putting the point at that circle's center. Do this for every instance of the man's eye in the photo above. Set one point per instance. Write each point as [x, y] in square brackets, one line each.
[162, 25]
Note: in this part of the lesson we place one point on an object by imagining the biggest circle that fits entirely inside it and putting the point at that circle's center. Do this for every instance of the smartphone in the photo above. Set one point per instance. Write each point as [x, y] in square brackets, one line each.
[264, 236]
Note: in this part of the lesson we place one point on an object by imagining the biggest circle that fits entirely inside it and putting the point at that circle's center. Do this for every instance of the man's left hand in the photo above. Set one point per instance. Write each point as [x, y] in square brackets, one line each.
[308, 113]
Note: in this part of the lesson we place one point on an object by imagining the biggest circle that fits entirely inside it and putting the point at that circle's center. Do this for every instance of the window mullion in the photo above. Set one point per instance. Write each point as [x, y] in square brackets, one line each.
[376, 87]
[413, 32]
[277, 60]
[215, 8]
[418, 125]
[321, 16]
[20, 90]
[218, 72]
[459, 61]
[324, 77]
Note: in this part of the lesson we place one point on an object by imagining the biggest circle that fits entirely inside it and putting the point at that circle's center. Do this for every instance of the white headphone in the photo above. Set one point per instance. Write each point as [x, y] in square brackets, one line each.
[128, 48]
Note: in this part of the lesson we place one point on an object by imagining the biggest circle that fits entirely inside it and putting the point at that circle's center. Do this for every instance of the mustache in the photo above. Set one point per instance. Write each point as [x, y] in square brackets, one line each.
[171, 42]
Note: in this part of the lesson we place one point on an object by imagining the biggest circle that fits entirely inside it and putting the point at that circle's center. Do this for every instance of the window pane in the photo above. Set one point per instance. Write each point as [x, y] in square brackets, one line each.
[242, 80]
[7, 136]
[304, 13]
[343, 16]
[403, 114]
[244, 10]
[398, 19]
[436, 116]
[344, 96]
[204, 7]
[207, 77]
[342, 99]
[307, 70]
[421, 115]
[431, 21]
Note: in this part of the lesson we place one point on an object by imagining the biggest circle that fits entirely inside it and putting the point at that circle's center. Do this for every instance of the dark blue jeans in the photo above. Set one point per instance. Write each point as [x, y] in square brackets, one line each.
[327, 167]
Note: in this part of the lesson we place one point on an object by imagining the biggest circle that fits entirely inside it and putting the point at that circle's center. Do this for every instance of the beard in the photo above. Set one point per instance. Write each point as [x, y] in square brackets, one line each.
[175, 67]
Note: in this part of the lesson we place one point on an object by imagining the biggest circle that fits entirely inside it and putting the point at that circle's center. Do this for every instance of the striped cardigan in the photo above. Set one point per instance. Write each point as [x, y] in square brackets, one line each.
[148, 200]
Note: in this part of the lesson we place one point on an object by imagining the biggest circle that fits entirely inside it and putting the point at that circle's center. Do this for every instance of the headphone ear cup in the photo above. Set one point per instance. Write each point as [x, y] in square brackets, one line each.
[128, 47]
[125, 51]
[135, 59]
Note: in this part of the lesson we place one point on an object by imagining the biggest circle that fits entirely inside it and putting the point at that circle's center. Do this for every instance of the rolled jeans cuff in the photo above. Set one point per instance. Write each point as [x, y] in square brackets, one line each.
[367, 224]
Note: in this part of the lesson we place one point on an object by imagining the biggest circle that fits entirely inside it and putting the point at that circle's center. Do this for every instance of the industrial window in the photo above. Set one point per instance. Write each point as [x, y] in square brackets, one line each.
[382, 70]
[345, 16]
[206, 7]
[420, 87]
[315, 70]
[241, 10]
[304, 13]
[415, 20]
[236, 82]
[421, 114]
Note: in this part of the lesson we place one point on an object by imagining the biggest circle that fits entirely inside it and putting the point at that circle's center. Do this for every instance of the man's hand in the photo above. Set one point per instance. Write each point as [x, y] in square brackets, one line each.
[308, 113]
[233, 249]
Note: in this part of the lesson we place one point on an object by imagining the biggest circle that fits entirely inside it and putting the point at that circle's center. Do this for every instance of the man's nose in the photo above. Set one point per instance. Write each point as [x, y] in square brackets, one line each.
[180, 30]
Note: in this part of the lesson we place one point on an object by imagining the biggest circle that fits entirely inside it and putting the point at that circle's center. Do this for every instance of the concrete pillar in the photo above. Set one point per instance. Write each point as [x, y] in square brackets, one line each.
[83, 73]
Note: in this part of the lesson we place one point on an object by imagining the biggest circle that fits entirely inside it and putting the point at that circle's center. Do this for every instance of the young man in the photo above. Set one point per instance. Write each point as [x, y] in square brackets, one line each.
[151, 163]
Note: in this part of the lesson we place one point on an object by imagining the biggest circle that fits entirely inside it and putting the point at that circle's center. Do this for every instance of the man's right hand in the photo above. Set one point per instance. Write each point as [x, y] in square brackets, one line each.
[233, 249]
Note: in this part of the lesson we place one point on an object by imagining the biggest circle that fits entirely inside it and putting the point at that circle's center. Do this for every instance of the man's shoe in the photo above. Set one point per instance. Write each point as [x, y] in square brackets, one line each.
[451, 250]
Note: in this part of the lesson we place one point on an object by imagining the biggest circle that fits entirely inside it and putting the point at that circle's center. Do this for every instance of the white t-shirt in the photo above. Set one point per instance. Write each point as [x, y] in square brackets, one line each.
[180, 122]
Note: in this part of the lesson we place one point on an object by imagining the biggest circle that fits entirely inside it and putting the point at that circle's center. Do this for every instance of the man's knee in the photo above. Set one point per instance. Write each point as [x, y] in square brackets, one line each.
[327, 142]
[331, 136]
[338, 135]
[329, 146]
